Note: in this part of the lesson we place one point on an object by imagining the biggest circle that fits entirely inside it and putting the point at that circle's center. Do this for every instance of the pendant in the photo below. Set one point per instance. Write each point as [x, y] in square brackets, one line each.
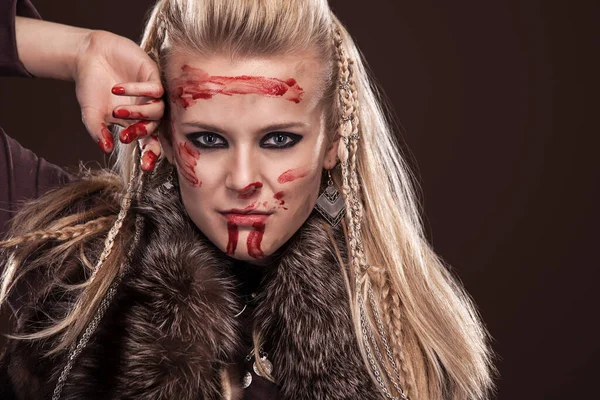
[247, 380]
[266, 363]
[330, 205]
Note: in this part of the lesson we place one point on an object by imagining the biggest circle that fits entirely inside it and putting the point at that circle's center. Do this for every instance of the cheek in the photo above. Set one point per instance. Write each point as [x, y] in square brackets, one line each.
[298, 190]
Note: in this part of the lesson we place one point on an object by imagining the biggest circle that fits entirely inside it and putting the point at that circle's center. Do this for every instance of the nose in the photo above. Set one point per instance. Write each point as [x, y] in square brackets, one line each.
[243, 176]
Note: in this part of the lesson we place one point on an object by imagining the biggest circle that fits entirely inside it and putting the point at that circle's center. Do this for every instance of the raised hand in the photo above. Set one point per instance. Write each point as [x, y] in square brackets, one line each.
[117, 83]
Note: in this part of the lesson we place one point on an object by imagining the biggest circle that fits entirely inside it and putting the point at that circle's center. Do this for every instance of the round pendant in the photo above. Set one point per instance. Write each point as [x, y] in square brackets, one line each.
[247, 380]
[266, 363]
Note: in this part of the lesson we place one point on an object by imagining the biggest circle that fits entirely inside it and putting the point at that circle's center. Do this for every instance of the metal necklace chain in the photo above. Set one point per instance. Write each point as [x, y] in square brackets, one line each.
[368, 336]
[265, 363]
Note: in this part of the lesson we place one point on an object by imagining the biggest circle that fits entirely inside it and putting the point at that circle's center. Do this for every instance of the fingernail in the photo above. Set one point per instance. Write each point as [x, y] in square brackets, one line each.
[118, 90]
[134, 131]
[106, 143]
[121, 114]
[148, 161]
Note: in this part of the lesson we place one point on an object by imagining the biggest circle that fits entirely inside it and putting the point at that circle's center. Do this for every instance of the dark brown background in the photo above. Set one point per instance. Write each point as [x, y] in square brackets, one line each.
[497, 104]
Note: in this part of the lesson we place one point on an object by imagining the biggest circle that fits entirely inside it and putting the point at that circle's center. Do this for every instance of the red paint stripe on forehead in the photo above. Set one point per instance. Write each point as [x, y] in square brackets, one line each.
[196, 84]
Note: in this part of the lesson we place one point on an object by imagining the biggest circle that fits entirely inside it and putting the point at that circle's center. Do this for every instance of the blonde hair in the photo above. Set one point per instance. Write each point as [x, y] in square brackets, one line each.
[412, 304]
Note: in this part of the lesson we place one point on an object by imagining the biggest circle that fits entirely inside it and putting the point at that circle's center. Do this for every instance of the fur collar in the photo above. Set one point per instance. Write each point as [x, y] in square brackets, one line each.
[171, 331]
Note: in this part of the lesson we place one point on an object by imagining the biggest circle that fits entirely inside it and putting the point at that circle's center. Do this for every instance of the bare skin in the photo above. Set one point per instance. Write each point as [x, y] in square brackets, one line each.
[247, 148]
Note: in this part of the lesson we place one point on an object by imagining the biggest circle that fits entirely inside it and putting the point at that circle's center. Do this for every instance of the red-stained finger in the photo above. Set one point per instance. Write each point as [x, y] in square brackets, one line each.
[148, 89]
[93, 120]
[138, 130]
[148, 160]
[151, 151]
[152, 110]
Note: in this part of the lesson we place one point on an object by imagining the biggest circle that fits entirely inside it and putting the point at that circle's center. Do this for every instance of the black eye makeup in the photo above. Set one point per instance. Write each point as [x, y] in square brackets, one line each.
[272, 140]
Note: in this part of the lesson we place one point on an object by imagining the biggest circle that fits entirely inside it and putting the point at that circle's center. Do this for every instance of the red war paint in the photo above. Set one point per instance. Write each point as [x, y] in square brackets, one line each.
[279, 197]
[148, 160]
[233, 232]
[189, 158]
[118, 90]
[249, 190]
[122, 113]
[291, 175]
[106, 143]
[196, 84]
[254, 240]
[132, 132]
[154, 138]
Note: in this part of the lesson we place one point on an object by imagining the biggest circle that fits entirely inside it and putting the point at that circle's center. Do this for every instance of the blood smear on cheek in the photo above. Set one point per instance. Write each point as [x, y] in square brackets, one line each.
[291, 175]
[188, 157]
[279, 197]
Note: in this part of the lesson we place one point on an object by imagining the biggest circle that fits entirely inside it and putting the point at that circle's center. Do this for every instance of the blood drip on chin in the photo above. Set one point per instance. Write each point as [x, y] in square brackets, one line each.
[254, 240]
[233, 232]
[189, 158]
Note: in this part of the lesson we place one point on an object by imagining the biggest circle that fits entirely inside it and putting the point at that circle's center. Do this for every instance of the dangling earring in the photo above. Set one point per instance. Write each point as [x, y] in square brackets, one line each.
[330, 203]
[169, 184]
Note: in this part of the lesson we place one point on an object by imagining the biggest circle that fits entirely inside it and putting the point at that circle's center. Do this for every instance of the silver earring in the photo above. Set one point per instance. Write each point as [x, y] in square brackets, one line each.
[169, 184]
[330, 203]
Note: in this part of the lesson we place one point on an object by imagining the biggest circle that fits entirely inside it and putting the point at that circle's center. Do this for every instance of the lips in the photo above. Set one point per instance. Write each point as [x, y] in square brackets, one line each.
[248, 218]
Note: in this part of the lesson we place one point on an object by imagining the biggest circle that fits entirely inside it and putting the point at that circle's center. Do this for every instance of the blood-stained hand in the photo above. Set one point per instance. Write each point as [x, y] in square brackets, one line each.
[118, 83]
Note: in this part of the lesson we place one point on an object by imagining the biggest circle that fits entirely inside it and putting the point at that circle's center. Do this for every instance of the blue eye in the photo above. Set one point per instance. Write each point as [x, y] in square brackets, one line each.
[273, 140]
[280, 140]
[207, 140]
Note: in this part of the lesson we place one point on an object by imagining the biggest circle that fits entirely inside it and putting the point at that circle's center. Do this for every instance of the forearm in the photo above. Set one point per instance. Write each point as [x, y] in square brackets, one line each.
[48, 49]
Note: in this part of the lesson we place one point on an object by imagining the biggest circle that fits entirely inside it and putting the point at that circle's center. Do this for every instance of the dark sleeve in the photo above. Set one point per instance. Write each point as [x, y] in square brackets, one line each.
[23, 176]
[10, 65]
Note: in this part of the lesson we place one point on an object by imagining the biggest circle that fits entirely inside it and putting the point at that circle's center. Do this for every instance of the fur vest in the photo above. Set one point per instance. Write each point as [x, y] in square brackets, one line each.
[171, 332]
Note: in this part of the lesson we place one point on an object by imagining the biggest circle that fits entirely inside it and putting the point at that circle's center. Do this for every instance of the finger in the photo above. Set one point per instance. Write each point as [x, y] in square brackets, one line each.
[148, 89]
[152, 110]
[138, 130]
[151, 152]
[94, 123]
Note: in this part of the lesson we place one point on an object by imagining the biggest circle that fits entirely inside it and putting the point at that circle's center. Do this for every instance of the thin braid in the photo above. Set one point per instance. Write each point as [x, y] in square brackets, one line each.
[344, 130]
[349, 131]
[392, 316]
[125, 205]
[64, 234]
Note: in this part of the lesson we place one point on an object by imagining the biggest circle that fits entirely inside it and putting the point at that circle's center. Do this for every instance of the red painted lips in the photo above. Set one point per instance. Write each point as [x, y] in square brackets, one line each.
[245, 219]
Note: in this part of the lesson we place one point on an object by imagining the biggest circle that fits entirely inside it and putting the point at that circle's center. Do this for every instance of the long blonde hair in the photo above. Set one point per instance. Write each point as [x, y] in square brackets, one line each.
[410, 300]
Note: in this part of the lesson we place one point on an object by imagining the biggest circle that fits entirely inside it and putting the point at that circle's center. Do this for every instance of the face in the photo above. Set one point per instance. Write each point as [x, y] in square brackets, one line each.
[249, 142]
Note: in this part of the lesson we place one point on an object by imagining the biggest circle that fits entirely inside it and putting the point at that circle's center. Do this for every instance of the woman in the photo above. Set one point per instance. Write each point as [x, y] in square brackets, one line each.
[268, 247]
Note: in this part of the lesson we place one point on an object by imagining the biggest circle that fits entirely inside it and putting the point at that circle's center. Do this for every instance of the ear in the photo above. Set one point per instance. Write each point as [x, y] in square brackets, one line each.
[167, 149]
[166, 138]
[330, 158]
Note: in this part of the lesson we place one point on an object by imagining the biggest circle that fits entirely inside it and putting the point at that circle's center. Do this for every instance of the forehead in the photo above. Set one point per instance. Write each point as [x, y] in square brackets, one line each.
[286, 84]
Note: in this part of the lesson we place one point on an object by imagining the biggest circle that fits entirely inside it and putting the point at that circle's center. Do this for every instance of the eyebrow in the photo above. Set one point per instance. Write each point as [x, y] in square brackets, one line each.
[268, 128]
